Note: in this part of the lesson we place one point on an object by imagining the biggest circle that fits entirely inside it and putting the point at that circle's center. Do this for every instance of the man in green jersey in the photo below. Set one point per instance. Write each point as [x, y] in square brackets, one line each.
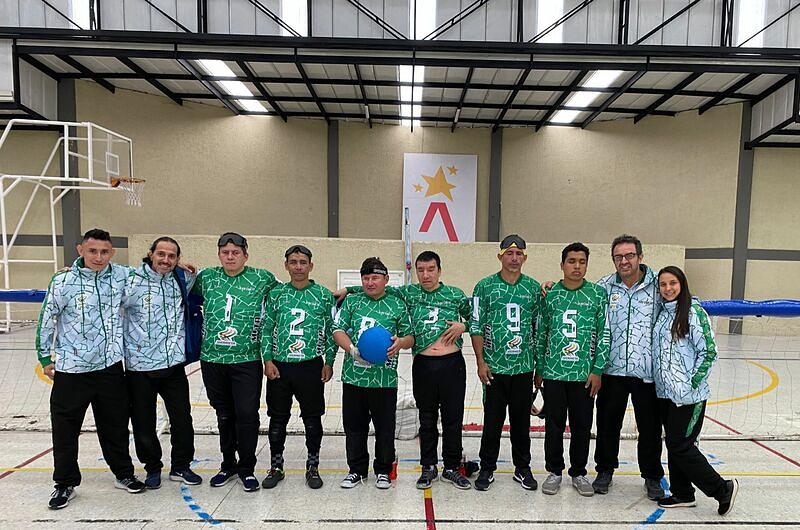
[230, 357]
[438, 314]
[298, 351]
[369, 392]
[571, 352]
[505, 307]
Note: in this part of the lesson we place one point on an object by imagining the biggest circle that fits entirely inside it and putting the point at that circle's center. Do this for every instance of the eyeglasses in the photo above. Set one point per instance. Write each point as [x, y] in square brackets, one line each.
[298, 248]
[232, 237]
[630, 256]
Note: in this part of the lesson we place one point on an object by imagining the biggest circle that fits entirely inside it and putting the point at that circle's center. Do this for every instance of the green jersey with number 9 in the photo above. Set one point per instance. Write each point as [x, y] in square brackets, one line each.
[505, 315]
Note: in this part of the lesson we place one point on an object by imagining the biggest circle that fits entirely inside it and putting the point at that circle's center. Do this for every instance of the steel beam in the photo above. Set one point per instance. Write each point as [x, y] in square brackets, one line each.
[741, 83]
[313, 92]
[663, 99]
[251, 77]
[150, 79]
[461, 99]
[612, 98]
[209, 85]
[564, 95]
[82, 69]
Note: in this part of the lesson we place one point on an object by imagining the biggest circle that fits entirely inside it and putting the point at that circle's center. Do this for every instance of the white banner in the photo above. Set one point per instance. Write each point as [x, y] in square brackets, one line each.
[440, 192]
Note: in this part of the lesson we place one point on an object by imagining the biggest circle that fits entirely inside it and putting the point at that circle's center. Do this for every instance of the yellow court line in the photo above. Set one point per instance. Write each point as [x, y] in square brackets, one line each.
[773, 384]
[40, 374]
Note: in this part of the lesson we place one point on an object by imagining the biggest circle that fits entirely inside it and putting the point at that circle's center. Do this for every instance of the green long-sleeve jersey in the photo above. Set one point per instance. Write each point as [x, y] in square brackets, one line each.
[359, 312]
[298, 324]
[232, 311]
[430, 311]
[505, 315]
[572, 338]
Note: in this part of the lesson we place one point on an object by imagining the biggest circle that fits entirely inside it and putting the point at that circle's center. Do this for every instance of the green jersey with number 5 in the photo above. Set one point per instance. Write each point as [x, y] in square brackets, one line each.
[573, 338]
[359, 312]
[430, 311]
[298, 324]
[232, 310]
[505, 316]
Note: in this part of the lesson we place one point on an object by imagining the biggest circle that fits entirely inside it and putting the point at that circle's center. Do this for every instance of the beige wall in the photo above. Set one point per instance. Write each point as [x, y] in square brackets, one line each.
[666, 180]
[774, 219]
[371, 174]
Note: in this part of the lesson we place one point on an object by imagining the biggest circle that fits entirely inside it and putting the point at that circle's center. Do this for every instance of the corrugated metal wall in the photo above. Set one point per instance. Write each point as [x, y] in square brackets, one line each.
[772, 110]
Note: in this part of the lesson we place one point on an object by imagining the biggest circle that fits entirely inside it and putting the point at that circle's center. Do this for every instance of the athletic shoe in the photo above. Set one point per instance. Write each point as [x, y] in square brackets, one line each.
[654, 489]
[351, 481]
[250, 483]
[675, 502]
[61, 496]
[525, 479]
[313, 480]
[222, 477]
[484, 480]
[383, 482]
[274, 476]
[131, 484]
[187, 476]
[456, 479]
[602, 482]
[153, 480]
[551, 484]
[426, 478]
[729, 497]
[583, 486]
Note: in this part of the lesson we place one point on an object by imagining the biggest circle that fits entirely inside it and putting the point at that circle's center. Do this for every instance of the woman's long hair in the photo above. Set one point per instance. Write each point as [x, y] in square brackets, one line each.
[680, 326]
[166, 239]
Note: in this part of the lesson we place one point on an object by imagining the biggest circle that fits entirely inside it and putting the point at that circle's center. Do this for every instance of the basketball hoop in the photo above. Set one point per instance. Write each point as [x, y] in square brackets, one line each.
[132, 187]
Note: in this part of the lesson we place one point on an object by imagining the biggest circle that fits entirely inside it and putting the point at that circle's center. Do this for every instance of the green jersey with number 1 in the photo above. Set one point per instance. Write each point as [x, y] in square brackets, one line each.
[430, 311]
[298, 324]
[505, 315]
[573, 338]
[359, 313]
[232, 310]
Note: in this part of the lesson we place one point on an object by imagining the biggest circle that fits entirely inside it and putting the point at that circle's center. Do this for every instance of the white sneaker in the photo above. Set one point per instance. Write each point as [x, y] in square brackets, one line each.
[551, 484]
[383, 482]
[351, 481]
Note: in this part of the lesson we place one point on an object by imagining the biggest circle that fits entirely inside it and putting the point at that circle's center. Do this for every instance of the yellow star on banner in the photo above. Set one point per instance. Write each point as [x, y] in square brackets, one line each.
[417, 187]
[438, 184]
[452, 170]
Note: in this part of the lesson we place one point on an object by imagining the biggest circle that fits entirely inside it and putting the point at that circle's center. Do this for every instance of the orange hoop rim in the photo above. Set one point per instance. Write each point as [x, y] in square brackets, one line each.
[116, 181]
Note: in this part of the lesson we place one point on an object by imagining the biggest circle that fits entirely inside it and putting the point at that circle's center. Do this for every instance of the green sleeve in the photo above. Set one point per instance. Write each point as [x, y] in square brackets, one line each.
[703, 340]
[542, 319]
[330, 345]
[197, 288]
[46, 327]
[404, 328]
[465, 312]
[268, 327]
[478, 312]
[342, 320]
[603, 335]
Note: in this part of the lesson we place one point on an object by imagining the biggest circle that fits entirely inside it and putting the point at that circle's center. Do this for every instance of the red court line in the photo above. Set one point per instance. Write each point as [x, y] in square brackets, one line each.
[472, 427]
[194, 371]
[430, 518]
[25, 463]
[770, 449]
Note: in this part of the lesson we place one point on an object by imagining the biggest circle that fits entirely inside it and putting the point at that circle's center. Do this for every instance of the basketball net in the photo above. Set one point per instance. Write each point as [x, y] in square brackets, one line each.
[132, 187]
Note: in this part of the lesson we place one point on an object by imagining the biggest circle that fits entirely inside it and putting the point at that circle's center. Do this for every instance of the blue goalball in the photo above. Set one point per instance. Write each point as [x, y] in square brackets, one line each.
[373, 343]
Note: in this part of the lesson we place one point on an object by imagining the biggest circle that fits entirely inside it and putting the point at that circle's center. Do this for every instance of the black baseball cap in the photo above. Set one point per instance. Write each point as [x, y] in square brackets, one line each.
[513, 240]
[232, 237]
[297, 248]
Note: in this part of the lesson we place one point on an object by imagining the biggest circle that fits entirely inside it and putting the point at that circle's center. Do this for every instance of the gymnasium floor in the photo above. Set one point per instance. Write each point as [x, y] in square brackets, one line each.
[756, 390]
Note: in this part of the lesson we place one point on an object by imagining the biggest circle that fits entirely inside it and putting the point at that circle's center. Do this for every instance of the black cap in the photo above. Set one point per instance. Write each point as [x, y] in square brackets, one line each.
[513, 240]
[297, 248]
[232, 237]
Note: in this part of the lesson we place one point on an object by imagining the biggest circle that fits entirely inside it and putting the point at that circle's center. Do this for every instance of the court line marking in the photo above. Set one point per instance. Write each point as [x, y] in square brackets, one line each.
[430, 517]
[186, 494]
[763, 446]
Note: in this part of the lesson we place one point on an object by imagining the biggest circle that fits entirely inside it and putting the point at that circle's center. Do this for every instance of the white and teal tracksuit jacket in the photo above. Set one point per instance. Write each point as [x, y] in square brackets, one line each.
[81, 318]
[631, 316]
[681, 366]
[154, 326]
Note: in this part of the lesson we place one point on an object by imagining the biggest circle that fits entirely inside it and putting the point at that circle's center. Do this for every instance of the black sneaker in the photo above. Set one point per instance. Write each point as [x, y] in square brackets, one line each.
[274, 476]
[426, 478]
[484, 480]
[525, 479]
[654, 489]
[675, 502]
[313, 480]
[187, 476]
[61, 496]
[222, 477]
[729, 497]
[602, 482]
[153, 480]
[456, 479]
[250, 483]
[130, 484]
[352, 480]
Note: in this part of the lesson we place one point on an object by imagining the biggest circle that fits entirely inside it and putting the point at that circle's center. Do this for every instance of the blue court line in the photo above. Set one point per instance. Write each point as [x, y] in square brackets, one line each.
[189, 500]
[656, 515]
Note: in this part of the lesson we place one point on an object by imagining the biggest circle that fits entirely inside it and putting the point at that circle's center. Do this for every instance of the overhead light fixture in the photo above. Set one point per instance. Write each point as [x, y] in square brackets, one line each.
[233, 88]
[585, 98]
[422, 20]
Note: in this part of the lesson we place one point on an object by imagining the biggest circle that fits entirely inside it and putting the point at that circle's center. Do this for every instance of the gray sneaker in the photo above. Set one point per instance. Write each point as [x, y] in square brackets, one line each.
[583, 486]
[551, 484]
